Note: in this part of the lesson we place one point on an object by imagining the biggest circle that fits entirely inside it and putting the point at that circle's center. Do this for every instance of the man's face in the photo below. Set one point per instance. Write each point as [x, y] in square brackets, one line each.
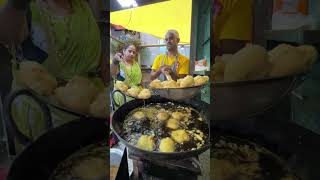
[171, 41]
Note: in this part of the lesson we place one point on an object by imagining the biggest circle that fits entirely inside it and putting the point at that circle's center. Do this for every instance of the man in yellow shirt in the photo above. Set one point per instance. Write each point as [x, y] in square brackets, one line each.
[233, 25]
[174, 63]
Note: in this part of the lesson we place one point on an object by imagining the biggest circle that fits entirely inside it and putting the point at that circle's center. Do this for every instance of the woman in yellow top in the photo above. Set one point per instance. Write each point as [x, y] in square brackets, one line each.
[233, 25]
[65, 39]
[172, 62]
[125, 68]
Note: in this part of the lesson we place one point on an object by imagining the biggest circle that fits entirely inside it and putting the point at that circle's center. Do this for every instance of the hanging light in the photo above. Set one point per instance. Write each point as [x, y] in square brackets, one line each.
[127, 3]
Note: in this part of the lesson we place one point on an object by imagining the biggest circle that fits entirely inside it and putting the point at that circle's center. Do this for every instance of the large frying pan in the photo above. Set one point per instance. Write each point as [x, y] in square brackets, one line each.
[46, 101]
[245, 99]
[297, 146]
[39, 160]
[13, 131]
[120, 115]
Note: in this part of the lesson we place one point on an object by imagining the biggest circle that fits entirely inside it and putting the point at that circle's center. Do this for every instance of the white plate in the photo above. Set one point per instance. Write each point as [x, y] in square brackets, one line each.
[115, 159]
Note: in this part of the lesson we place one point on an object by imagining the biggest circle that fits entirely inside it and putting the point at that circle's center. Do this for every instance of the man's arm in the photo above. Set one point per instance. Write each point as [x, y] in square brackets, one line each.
[155, 74]
[13, 22]
[156, 69]
[173, 75]
[181, 76]
[164, 68]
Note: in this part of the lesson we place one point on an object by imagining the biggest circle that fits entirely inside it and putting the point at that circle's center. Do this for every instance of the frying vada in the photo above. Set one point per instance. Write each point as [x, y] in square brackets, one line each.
[162, 116]
[180, 136]
[146, 142]
[173, 123]
[167, 145]
[144, 94]
[138, 115]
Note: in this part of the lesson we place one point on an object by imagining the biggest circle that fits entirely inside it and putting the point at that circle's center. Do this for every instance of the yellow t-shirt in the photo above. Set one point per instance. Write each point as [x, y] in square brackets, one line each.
[183, 63]
[235, 21]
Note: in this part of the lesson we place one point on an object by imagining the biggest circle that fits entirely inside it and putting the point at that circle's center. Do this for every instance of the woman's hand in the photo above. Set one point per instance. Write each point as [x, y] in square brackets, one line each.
[118, 58]
[114, 67]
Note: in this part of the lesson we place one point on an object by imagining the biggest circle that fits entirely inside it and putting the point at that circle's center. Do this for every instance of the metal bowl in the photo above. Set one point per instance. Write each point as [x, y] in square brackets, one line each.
[234, 100]
[178, 93]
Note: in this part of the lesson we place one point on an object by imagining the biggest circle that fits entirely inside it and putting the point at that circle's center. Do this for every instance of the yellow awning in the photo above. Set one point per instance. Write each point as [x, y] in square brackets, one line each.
[156, 19]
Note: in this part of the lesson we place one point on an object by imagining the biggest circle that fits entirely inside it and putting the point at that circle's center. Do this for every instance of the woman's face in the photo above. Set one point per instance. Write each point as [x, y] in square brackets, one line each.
[129, 53]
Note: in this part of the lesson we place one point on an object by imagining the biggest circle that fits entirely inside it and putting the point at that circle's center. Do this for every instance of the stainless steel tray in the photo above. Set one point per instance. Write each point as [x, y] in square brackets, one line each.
[244, 99]
[178, 93]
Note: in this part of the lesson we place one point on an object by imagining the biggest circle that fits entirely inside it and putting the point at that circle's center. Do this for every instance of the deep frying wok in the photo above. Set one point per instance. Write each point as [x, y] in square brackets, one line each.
[272, 165]
[47, 101]
[13, 130]
[39, 160]
[246, 99]
[120, 115]
[297, 146]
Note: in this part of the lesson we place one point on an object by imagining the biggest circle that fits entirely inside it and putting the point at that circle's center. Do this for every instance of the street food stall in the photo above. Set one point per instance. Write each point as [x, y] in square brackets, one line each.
[167, 134]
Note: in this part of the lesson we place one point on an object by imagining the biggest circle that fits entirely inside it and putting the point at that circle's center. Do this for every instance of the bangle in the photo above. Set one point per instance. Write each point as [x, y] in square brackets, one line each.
[20, 4]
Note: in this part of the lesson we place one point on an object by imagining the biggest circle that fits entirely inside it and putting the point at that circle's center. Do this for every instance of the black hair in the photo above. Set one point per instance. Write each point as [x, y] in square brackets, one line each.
[117, 47]
[126, 46]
